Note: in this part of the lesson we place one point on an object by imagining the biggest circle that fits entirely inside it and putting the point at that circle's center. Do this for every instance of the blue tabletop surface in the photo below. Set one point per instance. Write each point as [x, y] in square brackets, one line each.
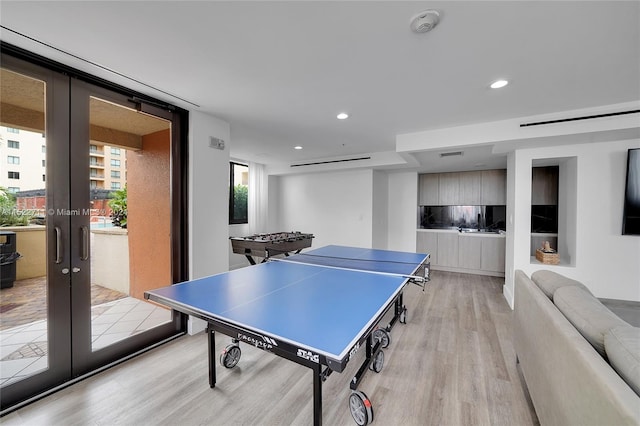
[323, 309]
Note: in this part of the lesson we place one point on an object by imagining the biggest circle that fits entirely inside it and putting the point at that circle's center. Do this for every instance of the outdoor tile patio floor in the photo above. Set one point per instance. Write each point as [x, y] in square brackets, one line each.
[23, 342]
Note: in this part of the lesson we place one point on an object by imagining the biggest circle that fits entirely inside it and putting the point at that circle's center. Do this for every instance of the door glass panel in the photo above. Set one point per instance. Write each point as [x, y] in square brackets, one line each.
[130, 232]
[24, 345]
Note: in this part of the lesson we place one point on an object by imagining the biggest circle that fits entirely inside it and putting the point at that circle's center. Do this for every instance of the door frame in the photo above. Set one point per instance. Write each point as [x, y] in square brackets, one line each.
[61, 372]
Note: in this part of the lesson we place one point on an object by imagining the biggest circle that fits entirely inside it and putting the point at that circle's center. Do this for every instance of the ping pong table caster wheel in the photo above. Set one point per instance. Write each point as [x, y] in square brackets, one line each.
[403, 315]
[383, 336]
[378, 362]
[361, 408]
[230, 356]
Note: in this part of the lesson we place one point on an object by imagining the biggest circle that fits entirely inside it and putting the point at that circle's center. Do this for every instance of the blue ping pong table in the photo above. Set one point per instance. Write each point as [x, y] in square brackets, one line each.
[316, 308]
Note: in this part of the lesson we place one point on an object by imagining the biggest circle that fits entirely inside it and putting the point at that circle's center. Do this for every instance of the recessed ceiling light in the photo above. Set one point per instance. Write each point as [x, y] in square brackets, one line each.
[342, 116]
[498, 84]
[297, 147]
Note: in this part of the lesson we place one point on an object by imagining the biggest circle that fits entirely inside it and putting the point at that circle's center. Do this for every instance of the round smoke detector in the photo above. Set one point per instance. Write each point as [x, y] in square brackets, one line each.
[425, 21]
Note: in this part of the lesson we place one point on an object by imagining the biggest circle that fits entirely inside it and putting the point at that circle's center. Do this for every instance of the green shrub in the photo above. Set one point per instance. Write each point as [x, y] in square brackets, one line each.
[9, 214]
[118, 204]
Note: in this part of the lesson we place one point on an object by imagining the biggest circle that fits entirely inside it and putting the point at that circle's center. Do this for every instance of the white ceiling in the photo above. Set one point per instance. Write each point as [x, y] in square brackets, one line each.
[279, 72]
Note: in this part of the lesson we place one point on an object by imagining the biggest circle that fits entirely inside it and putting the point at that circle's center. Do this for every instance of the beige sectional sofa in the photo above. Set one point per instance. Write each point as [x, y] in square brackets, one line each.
[580, 362]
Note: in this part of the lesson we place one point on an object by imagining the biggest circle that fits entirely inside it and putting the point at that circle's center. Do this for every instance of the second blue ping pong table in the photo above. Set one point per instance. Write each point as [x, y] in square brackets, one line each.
[316, 308]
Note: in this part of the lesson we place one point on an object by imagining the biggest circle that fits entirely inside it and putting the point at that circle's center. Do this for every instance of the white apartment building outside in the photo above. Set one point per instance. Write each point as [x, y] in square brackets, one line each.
[22, 159]
[23, 162]
[107, 166]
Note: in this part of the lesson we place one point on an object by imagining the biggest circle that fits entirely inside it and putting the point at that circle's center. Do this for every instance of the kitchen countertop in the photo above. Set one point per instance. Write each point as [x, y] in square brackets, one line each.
[465, 234]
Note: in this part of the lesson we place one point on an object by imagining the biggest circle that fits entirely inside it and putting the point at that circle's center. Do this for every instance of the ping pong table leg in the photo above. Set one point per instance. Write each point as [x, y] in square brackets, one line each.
[317, 395]
[211, 335]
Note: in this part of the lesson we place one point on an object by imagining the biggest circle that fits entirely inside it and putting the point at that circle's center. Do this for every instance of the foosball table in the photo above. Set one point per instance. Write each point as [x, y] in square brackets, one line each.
[266, 245]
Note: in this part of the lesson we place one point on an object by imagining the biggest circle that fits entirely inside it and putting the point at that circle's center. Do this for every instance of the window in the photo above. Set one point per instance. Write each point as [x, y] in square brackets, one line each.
[115, 185]
[115, 163]
[44, 149]
[238, 191]
[93, 184]
[115, 174]
[115, 151]
[13, 189]
[11, 159]
[43, 163]
[14, 175]
[43, 178]
[13, 144]
[93, 148]
[12, 130]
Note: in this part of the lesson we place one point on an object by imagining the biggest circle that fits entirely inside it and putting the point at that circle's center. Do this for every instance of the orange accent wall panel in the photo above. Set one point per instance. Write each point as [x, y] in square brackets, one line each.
[149, 214]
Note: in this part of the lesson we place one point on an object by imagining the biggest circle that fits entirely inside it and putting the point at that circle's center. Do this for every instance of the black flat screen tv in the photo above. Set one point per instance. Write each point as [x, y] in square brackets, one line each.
[631, 215]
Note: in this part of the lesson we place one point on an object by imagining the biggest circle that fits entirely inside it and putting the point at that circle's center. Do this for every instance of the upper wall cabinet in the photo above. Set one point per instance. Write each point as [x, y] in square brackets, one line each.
[429, 191]
[470, 188]
[544, 186]
[475, 188]
[449, 186]
[494, 187]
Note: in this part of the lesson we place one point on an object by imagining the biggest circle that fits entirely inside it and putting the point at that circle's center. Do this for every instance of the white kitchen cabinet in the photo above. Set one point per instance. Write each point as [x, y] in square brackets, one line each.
[449, 188]
[448, 249]
[470, 187]
[427, 243]
[493, 253]
[474, 188]
[494, 187]
[469, 251]
[463, 252]
[428, 189]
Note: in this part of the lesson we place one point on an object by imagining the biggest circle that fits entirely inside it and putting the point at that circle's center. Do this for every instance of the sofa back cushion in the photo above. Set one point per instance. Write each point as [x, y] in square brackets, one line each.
[622, 345]
[587, 314]
[549, 282]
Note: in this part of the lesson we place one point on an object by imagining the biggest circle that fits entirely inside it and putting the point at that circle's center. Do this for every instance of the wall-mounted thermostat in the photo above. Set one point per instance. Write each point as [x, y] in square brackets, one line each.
[216, 143]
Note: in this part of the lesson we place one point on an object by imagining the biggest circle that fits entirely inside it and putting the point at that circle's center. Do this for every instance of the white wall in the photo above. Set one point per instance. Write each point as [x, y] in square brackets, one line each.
[273, 209]
[402, 211]
[607, 262]
[208, 195]
[380, 206]
[513, 210]
[336, 207]
[209, 192]
[568, 209]
[110, 258]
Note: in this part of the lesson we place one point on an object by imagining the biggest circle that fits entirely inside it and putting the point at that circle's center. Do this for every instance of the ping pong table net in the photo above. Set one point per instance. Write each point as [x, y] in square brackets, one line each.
[418, 276]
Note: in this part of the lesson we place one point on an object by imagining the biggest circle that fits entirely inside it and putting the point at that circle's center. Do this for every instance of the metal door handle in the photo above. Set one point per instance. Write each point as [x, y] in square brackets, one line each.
[58, 232]
[85, 243]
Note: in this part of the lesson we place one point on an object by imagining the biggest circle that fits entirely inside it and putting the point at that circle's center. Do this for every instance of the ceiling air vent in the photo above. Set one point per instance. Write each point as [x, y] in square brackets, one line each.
[450, 154]
[586, 117]
[331, 161]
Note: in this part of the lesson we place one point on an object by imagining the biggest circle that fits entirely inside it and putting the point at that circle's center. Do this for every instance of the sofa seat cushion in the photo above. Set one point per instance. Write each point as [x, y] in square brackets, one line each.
[622, 345]
[587, 314]
[549, 282]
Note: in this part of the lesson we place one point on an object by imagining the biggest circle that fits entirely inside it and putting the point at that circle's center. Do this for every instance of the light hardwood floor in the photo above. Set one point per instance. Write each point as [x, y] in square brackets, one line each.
[453, 363]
